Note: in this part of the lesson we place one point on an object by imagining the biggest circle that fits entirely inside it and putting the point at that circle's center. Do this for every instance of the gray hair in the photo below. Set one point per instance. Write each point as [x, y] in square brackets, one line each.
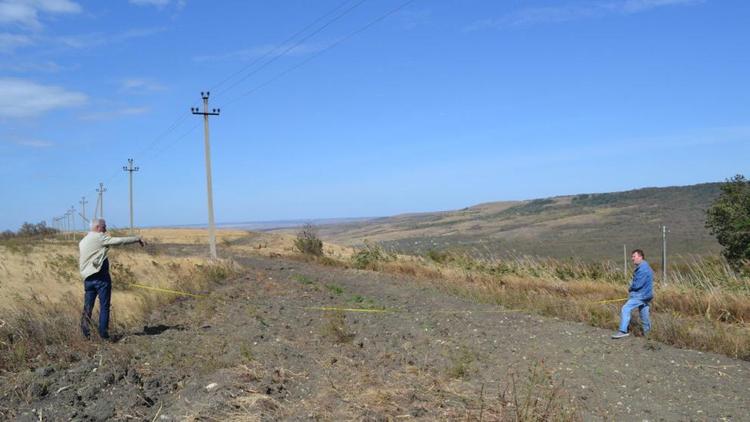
[96, 222]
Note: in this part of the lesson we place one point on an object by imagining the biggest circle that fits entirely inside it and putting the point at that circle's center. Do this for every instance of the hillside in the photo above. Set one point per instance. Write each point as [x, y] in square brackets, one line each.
[589, 226]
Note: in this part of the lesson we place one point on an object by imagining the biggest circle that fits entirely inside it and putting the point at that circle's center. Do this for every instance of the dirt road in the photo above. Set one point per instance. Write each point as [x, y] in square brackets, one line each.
[254, 349]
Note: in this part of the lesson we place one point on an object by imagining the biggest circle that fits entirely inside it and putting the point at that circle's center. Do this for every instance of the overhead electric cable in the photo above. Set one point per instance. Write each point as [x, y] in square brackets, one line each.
[285, 42]
[319, 53]
[293, 46]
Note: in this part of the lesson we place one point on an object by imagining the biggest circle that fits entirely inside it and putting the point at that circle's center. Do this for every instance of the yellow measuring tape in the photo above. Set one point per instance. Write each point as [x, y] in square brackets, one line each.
[331, 308]
[176, 292]
[611, 300]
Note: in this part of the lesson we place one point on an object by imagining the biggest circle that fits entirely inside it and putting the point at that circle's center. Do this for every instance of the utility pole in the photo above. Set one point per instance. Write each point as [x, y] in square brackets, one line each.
[100, 201]
[205, 113]
[625, 261]
[130, 169]
[73, 221]
[664, 254]
[83, 203]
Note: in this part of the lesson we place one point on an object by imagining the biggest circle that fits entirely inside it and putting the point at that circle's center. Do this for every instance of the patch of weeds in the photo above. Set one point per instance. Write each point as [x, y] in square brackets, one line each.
[364, 302]
[539, 398]
[247, 352]
[261, 321]
[122, 273]
[302, 279]
[336, 328]
[334, 289]
[215, 272]
[441, 257]
[64, 267]
[371, 256]
[461, 363]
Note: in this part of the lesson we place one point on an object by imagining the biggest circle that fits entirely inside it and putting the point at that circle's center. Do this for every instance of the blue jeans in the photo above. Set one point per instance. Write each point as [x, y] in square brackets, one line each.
[628, 308]
[99, 284]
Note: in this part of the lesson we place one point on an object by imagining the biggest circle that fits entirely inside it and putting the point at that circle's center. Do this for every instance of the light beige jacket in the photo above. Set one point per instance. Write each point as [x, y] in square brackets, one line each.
[94, 248]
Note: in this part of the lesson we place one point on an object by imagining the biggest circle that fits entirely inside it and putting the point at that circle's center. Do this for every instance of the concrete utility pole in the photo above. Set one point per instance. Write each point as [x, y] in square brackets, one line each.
[72, 222]
[664, 254]
[130, 169]
[100, 201]
[83, 203]
[625, 260]
[205, 113]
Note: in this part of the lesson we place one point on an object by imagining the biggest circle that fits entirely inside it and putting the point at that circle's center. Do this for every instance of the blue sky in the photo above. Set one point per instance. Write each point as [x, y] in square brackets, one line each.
[438, 105]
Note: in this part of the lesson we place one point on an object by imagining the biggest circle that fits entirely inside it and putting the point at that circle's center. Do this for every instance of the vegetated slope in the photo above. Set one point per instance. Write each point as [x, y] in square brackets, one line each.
[589, 226]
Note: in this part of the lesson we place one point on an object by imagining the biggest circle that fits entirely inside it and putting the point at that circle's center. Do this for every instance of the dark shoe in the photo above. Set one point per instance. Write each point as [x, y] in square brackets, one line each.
[619, 334]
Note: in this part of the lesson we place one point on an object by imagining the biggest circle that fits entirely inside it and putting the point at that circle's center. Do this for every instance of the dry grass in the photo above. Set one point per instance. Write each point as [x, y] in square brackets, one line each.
[705, 306]
[42, 295]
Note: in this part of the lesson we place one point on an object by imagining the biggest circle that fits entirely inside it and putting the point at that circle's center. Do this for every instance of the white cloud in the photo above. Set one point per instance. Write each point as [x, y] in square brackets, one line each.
[33, 143]
[156, 3]
[574, 11]
[97, 39]
[140, 85]
[24, 98]
[261, 51]
[43, 67]
[113, 114]
[26, 12]
[9, 42]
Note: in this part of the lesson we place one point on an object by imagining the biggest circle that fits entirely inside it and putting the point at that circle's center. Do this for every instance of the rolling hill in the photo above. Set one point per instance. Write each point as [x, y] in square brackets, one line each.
[588, 226]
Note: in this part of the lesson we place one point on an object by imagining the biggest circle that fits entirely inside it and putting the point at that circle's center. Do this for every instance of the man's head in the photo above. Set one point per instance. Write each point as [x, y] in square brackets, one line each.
[637, 256]
[98, 225]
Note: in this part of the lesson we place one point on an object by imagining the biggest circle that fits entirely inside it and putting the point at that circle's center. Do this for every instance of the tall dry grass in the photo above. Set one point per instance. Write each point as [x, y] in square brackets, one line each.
[704, 306]
[42, 295]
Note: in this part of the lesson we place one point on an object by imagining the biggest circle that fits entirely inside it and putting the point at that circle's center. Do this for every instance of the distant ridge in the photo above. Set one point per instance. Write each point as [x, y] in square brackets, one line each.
[273, 225]
[588, 226]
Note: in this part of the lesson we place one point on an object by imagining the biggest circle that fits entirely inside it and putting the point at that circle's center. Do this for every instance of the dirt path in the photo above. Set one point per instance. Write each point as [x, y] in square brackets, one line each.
[254, 350]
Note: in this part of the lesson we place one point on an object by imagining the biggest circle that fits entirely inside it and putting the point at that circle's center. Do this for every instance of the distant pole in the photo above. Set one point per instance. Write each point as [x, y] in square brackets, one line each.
[100, 201]
[664, 254]
[130, 169]
[83, 203]
[205, 113]
[72, 223]
[625, 261]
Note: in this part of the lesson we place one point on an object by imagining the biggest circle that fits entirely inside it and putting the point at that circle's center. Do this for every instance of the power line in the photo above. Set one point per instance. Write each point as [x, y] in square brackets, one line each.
[286, 41]
[319, 53]
[293, 46]
[182, 117]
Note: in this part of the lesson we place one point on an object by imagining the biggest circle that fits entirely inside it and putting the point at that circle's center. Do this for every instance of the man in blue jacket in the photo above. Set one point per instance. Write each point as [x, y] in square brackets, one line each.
[639, 295]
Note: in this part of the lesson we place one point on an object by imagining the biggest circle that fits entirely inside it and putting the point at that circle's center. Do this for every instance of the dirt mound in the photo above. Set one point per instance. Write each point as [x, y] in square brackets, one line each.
[266, 346]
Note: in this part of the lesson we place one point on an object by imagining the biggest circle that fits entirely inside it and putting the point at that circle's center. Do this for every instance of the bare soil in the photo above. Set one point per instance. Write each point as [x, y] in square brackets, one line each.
[255, 349]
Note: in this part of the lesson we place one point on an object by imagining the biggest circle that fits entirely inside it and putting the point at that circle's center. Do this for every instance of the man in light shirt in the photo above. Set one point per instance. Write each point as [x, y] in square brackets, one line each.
[94, 266]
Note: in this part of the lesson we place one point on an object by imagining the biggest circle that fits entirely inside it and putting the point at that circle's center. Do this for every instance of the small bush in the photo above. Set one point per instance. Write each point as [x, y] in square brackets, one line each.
[307, 241]
[336, 328]
[371, 256]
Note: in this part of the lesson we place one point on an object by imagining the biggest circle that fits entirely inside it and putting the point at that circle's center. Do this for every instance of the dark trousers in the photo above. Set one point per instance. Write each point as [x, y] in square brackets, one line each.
[99, 284]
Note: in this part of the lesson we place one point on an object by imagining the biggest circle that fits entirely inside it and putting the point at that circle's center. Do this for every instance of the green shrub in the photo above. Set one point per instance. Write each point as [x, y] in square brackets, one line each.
[307, 241]
[370, 256]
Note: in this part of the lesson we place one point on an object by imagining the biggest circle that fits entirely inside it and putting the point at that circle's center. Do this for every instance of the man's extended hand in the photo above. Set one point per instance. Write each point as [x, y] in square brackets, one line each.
[141, 242]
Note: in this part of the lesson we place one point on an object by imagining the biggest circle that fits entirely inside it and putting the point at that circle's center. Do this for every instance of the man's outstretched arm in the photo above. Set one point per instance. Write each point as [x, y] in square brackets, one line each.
[113, 241]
